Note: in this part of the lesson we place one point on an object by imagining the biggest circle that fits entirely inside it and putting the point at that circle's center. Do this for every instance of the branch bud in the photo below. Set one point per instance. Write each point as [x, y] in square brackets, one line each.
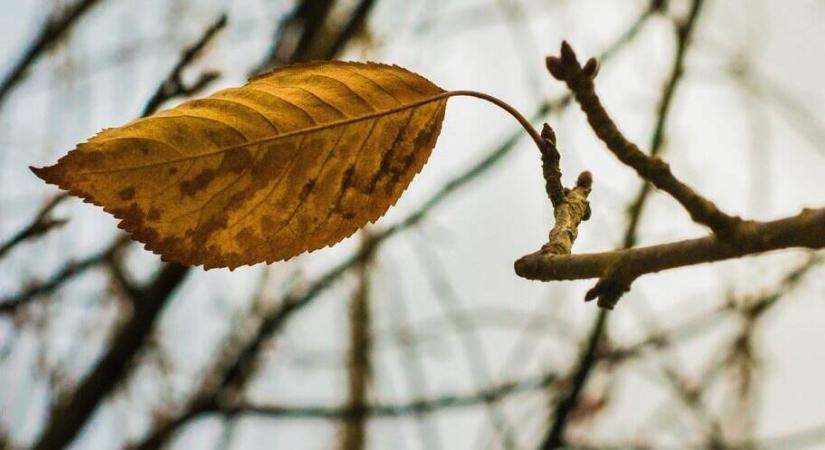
[556, 68]
[568, 56]
[548, 134]
[585, 180]
[591, 68]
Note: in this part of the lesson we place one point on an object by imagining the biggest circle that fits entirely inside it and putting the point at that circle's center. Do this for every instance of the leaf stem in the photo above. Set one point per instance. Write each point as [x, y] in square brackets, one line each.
[534, 134]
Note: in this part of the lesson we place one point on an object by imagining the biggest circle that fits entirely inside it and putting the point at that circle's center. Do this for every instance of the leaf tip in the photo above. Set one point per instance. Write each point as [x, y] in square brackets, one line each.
[568, 56]
[38, 171]
[45, 173]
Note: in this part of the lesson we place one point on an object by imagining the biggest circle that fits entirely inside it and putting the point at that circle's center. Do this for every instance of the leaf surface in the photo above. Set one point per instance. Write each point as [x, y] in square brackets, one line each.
[293, 161]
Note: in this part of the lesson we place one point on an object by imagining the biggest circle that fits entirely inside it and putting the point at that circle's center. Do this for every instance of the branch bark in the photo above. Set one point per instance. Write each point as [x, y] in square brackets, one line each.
[579, 80]
[53, 30]
[67, 418]
[359, 364]
[491, 394]
[619, 268]
[41, 224]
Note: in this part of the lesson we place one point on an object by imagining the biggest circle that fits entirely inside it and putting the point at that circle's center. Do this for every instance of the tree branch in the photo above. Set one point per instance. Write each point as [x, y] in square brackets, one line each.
[68, 418]
[359, 361]
[237, 373]
[491, 394]
[52, 31]
[619, 268]
[569, 213]
[41, 224]
[10, 304]
[564, 408]
[684, 33]
[580, 81]
[173, 86]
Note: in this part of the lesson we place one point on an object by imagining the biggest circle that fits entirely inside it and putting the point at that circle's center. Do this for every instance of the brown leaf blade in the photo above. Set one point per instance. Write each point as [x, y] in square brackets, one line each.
[293, 161]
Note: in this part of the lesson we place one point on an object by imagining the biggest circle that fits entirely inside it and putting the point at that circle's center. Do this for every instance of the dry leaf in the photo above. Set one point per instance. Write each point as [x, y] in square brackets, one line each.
[295, 160]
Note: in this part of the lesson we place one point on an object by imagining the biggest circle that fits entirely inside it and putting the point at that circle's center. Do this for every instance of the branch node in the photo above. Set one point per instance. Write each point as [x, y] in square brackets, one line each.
[569, 213]
[591, 68]
[548, 134]
[556, 67]
[550, 159]
[608, 290]
[579, 80]
[568, 56]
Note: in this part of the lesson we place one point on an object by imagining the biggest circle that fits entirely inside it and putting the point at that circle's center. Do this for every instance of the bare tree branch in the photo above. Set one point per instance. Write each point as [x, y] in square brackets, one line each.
[359, 364]
[804, 230]
[169, 88]
[355, 24]
[684, 33]
[580, 81]
[556, 434]
[52, 31]
[68, 417]
[41, 224]
[491, 394]
[70, 270]
[173, 86]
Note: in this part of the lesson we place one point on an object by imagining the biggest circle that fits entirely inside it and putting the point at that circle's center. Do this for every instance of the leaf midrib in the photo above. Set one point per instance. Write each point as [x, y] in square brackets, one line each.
[327, 125]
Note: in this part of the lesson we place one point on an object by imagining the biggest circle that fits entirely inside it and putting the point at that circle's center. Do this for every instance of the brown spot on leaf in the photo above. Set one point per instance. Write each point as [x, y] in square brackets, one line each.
[307, 189]
[346, 179]
[236, 161]
[231, 209]
[127, 194]
[154, 214]
[200, 182]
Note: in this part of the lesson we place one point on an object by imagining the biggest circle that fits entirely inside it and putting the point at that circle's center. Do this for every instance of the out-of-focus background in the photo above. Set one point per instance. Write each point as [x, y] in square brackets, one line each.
[429, 341]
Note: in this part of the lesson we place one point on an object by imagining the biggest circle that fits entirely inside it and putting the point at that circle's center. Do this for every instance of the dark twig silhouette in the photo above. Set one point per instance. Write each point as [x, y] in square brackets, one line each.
[51, 33]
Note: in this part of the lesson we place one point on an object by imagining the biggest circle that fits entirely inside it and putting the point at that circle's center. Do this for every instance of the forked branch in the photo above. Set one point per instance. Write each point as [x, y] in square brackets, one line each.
[616, 270]
[579, 79]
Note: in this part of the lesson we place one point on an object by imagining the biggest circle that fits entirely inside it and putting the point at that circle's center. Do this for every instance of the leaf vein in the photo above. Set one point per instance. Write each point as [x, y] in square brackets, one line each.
[286, 135]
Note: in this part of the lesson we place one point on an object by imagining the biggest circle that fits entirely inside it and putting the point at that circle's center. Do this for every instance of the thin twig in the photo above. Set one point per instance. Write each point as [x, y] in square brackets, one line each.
[491, 394]
[41, 224]
[580, 81]
[52, 31]
[569, 213]
[359, 364]
[244, 361]
[621, 267]
[555, 436]
[173, 85]
[684, 33]
[70, 270]
[68, 418]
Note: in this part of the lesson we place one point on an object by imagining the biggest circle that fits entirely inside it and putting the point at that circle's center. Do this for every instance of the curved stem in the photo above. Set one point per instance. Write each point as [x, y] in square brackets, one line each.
[534, 134]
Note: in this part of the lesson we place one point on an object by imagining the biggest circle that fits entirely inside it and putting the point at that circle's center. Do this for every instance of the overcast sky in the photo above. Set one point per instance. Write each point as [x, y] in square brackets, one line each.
[755, 157]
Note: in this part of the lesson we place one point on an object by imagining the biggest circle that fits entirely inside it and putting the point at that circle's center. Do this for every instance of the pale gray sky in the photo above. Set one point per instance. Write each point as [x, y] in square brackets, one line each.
[754, 157]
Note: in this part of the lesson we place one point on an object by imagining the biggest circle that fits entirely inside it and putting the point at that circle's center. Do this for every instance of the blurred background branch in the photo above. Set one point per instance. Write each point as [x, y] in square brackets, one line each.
[420, 336]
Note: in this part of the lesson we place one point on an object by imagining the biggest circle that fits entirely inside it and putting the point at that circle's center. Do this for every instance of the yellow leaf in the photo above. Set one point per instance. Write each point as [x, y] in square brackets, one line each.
[293, 161]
